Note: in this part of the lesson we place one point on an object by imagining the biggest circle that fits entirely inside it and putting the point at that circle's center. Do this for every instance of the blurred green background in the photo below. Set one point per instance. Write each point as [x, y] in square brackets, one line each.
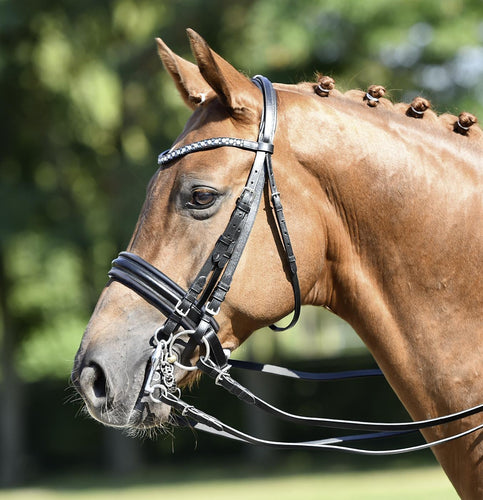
[85, 108]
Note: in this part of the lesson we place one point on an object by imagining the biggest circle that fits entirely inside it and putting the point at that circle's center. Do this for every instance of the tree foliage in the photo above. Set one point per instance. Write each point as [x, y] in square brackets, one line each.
[86, 107]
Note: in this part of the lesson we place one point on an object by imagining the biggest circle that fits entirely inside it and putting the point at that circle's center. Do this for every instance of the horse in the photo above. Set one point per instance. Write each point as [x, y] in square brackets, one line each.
[383, 202]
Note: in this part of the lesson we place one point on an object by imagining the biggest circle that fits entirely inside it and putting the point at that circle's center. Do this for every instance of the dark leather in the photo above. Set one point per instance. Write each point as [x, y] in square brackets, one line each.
[154, 286]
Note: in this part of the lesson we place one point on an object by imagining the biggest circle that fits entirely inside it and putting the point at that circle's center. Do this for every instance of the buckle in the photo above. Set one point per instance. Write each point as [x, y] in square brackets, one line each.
[248, 190]
[212, 312]
[180, 311]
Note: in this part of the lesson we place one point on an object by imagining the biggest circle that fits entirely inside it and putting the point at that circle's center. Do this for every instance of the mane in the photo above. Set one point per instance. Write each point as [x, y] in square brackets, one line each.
[464, 125]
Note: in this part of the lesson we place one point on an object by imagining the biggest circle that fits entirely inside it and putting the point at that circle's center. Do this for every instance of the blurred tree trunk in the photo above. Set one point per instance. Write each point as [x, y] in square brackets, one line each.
[11, 421]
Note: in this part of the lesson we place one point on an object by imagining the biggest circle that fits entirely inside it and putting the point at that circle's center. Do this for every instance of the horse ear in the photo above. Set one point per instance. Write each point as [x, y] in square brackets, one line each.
[235, 90]
[191, 85]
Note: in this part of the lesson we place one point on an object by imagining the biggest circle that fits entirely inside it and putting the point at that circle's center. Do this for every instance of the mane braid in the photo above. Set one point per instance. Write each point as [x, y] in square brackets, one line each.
[466, 124]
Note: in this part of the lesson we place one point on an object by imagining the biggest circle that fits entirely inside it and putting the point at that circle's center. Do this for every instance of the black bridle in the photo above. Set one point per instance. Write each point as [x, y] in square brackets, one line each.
[190, 322]
[204, 297]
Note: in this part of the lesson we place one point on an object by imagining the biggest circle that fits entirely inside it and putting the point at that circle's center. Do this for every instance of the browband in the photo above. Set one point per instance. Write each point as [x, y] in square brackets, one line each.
[218, 142]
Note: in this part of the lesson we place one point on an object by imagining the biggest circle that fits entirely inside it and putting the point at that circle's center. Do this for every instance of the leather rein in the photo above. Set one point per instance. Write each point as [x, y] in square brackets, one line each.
[190, 322]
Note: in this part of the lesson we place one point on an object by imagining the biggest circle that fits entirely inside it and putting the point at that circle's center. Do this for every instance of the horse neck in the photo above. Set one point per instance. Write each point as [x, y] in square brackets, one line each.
[401, 207]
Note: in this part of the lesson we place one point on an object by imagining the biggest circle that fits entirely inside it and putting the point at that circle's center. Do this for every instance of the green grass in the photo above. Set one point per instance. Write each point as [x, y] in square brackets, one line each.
[424, 482]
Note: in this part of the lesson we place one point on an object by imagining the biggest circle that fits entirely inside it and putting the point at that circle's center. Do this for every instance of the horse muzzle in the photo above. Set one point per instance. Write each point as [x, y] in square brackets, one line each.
[117, 397]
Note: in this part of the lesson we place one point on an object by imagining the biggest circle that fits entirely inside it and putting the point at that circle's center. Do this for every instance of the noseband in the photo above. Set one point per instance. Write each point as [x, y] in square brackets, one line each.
[190, 322]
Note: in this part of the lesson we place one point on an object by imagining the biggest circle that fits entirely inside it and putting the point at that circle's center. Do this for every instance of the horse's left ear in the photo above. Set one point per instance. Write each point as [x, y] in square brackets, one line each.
[236, 91]
[191, 85]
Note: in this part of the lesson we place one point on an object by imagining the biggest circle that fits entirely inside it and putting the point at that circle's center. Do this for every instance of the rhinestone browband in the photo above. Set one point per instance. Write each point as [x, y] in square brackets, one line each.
[173, 154]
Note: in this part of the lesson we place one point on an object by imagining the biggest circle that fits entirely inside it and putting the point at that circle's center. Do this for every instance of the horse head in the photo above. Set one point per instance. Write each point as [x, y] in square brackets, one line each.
[187, 207]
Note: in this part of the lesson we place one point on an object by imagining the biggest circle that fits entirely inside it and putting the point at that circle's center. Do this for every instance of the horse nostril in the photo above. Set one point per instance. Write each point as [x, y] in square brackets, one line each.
[93, 384]
[100, 384]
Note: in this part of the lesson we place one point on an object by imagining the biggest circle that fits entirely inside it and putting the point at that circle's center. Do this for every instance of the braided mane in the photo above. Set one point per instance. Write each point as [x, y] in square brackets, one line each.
[419, 109]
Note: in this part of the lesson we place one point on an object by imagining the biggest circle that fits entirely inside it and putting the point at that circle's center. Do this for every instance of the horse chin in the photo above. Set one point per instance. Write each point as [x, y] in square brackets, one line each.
[149, 415]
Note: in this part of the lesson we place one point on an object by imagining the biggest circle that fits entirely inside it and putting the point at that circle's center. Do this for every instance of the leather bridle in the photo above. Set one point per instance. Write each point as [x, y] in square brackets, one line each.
[190, 322]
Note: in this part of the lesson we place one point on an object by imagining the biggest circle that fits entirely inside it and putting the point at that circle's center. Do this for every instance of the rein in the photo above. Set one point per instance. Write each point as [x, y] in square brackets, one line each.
[190, 314]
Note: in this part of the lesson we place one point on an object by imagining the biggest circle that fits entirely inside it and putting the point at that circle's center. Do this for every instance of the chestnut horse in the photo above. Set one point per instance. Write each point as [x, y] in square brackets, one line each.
[384, 209]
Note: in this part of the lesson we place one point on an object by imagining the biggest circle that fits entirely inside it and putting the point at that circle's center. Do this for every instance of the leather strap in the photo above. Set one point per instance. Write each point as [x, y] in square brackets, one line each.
[199, 420]
[270, 99]
[218, 428]
[281, 371]
[224, 380]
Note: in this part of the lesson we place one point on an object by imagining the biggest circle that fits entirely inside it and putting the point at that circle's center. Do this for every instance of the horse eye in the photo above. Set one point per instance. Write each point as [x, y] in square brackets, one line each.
[202, 198]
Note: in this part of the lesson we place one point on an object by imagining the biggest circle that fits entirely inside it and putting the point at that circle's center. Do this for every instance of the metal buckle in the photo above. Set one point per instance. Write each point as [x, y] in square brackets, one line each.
[248, 190]
[180, 311]
[212, 312]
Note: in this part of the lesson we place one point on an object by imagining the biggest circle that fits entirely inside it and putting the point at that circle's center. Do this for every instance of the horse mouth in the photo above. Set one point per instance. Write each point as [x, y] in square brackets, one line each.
[147, 415]
[148, 412]
[144, 414]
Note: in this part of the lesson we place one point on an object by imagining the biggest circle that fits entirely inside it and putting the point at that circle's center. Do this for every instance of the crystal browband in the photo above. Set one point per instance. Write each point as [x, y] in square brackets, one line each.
[218, 142]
